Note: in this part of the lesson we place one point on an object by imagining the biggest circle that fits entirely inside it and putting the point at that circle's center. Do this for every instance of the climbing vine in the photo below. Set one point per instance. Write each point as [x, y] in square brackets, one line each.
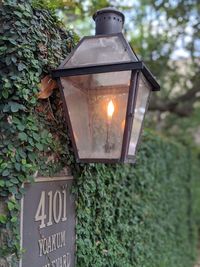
[31, 43]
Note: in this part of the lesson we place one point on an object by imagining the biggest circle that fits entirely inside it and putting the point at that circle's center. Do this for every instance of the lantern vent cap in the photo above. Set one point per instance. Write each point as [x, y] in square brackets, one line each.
[108, 20]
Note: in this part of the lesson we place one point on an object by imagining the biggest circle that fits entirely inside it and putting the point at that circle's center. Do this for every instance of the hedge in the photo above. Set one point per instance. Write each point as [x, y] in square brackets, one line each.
[141, 215]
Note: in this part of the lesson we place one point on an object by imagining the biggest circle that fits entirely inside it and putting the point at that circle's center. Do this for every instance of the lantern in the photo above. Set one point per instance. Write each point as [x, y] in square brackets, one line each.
[105, 90]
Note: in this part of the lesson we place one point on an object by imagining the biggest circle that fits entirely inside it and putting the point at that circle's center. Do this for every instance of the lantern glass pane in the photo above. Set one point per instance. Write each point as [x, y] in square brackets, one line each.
[97, 108]
[143, 94]
[99, 50]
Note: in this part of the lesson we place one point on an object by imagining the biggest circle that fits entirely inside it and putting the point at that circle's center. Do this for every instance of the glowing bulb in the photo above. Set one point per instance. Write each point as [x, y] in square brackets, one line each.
[110, 109]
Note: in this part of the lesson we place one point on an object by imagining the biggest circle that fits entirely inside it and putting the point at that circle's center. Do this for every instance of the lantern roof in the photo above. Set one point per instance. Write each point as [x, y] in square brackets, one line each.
[103, 53]
[98, 50]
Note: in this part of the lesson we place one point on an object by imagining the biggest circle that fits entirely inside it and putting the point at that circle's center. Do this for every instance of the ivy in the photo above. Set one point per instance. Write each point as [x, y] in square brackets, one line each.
[32, 42]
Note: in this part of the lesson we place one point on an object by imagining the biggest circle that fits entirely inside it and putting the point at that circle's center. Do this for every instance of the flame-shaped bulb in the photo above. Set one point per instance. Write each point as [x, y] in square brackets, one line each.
[110, 109]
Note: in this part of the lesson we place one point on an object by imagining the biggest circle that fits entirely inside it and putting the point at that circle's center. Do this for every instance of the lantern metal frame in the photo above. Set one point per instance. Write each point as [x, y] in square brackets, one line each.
[136, 67]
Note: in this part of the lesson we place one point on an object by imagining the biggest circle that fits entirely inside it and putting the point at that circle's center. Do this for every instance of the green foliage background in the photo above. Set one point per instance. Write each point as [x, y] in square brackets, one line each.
[143, 215]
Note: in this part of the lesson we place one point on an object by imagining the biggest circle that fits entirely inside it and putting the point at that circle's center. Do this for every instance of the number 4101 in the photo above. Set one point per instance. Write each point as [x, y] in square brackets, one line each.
[57, 208]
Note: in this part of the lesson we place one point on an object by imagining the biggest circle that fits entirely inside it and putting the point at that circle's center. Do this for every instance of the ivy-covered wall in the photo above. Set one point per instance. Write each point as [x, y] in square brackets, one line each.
[143, 215]
[32, 138]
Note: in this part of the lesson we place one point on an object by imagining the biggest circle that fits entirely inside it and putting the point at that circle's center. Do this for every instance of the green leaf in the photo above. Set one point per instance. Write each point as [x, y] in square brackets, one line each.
[18, 23]
[16, 120]
[14, 180]
[5, 94]
[23, 161]
[3, 218]
[14, 219]
[19, 14]
[14, 59]
[29, 148]
[36, 136]
[32, 157]
[15, 107]
[5, 172]
[21, 153]
[8, 59]
[23, 136]
[3, 49]
[8, 183]
[13, 189]
[21, 127]
[17, 166]
[2, 183]
[11, 205]
[21, 66]
[39, 146]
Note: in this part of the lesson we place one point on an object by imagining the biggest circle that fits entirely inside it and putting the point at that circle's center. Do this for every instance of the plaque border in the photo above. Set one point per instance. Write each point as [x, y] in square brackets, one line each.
[38, 179]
